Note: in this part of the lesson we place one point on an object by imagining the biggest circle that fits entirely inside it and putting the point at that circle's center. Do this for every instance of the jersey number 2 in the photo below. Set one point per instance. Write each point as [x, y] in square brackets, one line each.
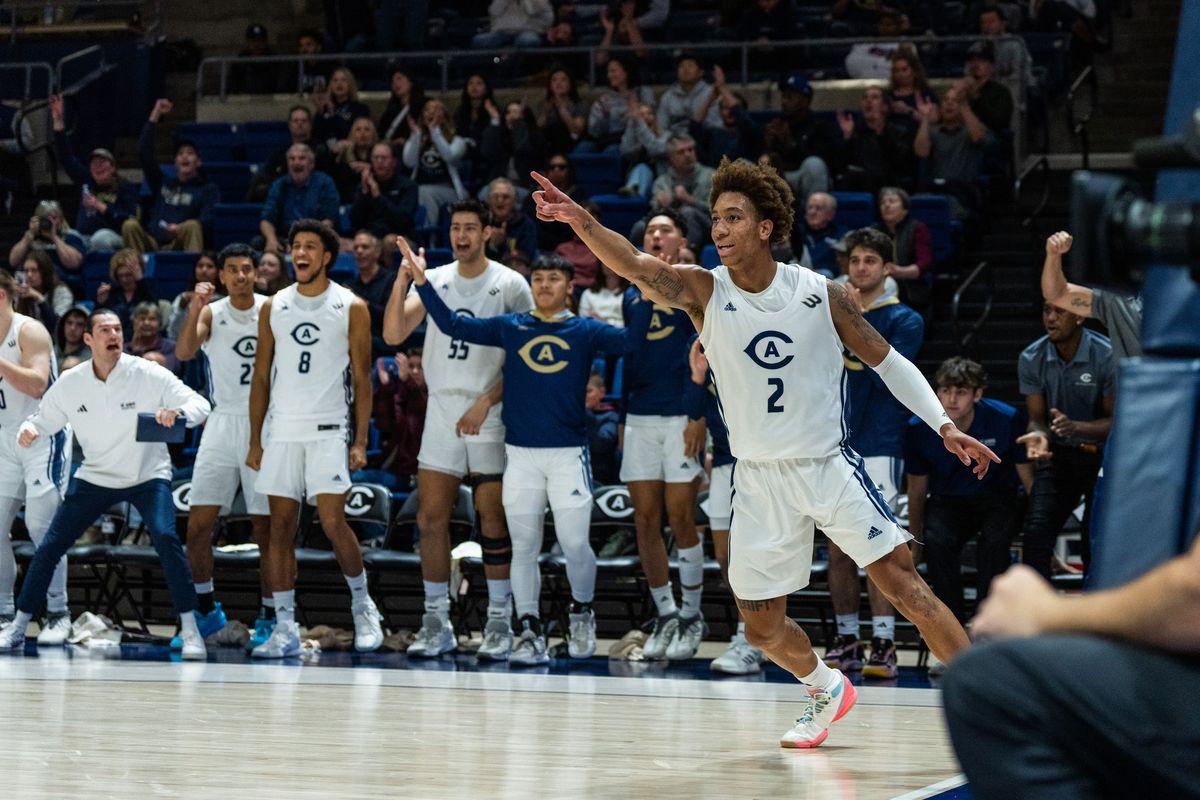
[459, 349]
[773, 404]
[247, 369]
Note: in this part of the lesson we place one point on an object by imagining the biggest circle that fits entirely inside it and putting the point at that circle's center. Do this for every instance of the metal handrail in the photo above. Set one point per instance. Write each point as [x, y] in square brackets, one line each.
[78, 55]
[29, 68]
[17, 6]
[964, 341]
[1041, 164]
[1077, 125]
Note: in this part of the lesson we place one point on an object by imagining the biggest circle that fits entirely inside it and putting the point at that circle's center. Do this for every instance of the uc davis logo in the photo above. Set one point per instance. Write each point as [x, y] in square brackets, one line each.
[246, 346]
[306, 334]
[659, 329]
[181, 495]
[614, 502]
[767, 350]
[545, 354]
[358, 501]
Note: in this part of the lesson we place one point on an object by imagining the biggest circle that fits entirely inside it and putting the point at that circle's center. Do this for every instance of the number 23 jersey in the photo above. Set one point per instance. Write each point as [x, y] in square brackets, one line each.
[777, 360]
[311, 390]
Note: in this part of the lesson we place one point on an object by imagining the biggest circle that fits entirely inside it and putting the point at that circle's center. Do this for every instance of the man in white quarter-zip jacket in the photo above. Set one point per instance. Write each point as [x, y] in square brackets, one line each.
[101, 399]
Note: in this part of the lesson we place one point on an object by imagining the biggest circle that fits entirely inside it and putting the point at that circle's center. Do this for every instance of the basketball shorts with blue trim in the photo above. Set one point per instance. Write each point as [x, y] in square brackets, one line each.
[777, 505]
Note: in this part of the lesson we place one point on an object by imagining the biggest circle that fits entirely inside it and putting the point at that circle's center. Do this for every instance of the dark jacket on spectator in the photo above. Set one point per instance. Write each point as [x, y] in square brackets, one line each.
[288, 202]
[522, 145]
[116, 303]
[811, 136]
[175, 201]
[520, 234]
[376, 295]
[399, 414]
[994, 107]
[873, 160]
[122, 200]
[602, 444]
[781, 22]
[336, 124]
[744, 141]
[391, 212]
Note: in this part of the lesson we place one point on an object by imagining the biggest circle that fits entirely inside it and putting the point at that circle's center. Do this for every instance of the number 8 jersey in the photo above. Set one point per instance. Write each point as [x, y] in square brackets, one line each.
[777, 362]
[311, 390]
[230, 347]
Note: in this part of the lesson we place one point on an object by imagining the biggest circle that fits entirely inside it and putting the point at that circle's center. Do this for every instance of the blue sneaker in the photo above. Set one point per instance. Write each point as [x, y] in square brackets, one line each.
[262, 631]
[208, 624]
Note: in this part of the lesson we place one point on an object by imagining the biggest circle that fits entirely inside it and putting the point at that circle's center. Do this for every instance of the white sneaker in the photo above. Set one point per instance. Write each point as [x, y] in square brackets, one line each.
[193, 647]
[12, 637]
[55, 631]
[581, 642]
[435, 638]
[368, 632]
[284, 642]
[824, 708]
[739, 659]
[530, 650]
[655, 648]
[497, 641]
[688, 636]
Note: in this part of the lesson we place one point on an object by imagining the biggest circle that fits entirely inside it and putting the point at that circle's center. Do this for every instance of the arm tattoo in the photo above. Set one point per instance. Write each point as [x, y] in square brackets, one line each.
[587, 227]
[1079, 302]
[754, 605]
[848, 307]
[666, 283]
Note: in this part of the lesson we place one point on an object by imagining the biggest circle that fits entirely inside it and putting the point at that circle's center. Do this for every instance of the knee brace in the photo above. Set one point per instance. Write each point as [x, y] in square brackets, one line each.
[477, 480]
[496, 552]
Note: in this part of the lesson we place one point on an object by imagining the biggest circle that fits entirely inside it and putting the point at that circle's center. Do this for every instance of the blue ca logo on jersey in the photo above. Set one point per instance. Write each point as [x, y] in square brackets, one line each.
[305, 334]
[246, 346]
[764, 350]
[542, 354]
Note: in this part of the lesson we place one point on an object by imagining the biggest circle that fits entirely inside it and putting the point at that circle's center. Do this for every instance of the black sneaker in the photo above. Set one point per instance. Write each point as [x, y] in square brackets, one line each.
[882, 663]
[846, 653]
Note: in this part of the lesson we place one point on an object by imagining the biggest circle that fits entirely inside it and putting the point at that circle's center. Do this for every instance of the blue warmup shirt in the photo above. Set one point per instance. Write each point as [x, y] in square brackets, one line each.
[546, 366]
[701, 400]
[874, 417]
[996, 425]
[657, 374]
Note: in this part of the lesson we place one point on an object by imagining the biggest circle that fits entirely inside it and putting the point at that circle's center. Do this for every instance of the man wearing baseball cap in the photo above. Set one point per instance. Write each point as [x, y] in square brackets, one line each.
[105, 200]
[991, 101]
[802, 142]
[255, 78]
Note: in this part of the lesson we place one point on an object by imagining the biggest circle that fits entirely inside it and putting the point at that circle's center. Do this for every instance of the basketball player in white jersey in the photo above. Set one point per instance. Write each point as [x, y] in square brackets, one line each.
[774, 334]
[463, 437]
[36, 475]
[226, 330]
[313, 360]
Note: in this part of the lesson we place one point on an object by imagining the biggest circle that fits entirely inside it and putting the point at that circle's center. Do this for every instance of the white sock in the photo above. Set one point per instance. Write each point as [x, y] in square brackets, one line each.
[268, 602]
[285, 607]
[664, 599]
[358, 591]
[847, 624]
[884, 627]
[22, 620]
[499, 598]
[7, 607]
[691, 574]
[204, 588]
[187, 624]
[437, 598]
[741, 630]
[822, 677]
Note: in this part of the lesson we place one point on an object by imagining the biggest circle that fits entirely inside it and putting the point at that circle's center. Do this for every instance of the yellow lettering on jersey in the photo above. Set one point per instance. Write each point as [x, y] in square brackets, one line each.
[657, 329]
[545, 347]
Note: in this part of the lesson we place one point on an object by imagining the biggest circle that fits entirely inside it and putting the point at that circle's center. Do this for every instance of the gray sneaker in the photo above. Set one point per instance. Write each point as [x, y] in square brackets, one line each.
[661, 635]
[497, 641]
[688, 636]
[582, 640]
[530, 650]
[435, 638]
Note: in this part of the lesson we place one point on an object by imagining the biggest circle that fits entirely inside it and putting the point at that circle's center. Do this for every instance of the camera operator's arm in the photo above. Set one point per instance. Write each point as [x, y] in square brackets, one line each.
[1055, 288]
[17, 254]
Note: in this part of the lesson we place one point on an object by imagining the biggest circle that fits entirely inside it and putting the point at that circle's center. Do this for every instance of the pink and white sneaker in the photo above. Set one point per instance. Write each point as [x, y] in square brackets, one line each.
[824, 708]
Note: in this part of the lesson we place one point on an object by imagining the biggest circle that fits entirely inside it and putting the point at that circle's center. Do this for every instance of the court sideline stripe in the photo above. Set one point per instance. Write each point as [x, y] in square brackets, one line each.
[934, 790]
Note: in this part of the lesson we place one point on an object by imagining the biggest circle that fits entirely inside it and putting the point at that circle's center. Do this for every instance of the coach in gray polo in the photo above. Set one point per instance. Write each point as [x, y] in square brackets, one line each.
[1068, 378]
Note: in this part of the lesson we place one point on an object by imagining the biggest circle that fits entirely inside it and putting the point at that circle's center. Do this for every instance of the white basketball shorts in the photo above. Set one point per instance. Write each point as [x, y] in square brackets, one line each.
[221, 465]
[304, 469]
[720, 497]
[654, 450]
[444, 451]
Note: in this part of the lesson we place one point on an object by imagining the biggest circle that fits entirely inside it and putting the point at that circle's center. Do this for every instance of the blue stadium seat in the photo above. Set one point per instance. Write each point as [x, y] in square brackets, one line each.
[854, 209]
[934, 211]
[171, 272]
[235, 222]
[231, 177]
[261, 139]
[437, 256]
[621, 213]
[709, 258]
[598, 173]
[94, 272]
[344, 270]
[218, 141]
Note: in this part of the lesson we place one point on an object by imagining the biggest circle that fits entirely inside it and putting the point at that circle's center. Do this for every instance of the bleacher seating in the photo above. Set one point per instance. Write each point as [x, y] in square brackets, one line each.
[231, 177]
[934, 211]
[620, 212]
[217, 141]
[235, 222]
[260, 139]
[171, 272]
[597, 173]
[854, 209]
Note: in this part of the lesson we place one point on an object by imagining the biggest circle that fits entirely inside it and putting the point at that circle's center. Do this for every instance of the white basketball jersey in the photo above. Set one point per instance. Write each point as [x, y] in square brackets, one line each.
[230, 348]
[311, 390]
[16, 406]
[779, 374]
[458, 367]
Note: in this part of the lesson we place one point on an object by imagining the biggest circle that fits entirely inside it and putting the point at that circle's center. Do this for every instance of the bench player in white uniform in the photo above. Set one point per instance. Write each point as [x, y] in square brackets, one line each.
[313, 360]
[227, 331]
[463, 436]
[774, 334]
[36, 475]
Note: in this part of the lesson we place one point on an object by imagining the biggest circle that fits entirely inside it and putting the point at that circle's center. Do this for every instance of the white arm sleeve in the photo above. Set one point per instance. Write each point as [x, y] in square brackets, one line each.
[908, 385]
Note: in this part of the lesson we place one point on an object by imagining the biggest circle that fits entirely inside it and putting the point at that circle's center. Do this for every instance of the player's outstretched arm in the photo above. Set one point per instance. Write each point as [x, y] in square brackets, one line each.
[458, 326]
[195, 328]
[32, 375]
[684, 287]
[902, 378]
[403, 312]
[260, 385]
[1056, 290]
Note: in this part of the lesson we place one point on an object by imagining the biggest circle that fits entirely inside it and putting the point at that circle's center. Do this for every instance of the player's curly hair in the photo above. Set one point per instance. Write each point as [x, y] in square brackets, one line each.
[769, 193]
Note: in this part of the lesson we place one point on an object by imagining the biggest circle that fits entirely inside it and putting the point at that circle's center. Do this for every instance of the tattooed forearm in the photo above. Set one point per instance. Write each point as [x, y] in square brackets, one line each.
[754, 605]
[588, 225]
[847, 314]
[1081, 302]
[666, 283]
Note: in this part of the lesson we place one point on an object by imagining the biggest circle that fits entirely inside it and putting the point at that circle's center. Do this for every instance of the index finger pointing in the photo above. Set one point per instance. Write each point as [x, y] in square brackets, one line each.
[542, 180]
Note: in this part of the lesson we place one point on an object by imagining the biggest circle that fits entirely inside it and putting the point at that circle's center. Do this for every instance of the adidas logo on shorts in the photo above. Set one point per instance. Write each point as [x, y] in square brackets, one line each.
[576, 493]
[730, 306]
[337, 478]
[874, 532]
[81, 410]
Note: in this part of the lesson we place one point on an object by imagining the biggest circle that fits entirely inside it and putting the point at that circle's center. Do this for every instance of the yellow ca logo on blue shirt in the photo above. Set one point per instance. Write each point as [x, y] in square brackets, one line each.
[659, 330]
[540, 354]
[851, 361]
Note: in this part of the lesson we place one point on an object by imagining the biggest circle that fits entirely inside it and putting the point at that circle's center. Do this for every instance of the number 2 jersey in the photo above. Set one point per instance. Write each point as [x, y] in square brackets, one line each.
[311, 387]
[777, 361]
[230, 348]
